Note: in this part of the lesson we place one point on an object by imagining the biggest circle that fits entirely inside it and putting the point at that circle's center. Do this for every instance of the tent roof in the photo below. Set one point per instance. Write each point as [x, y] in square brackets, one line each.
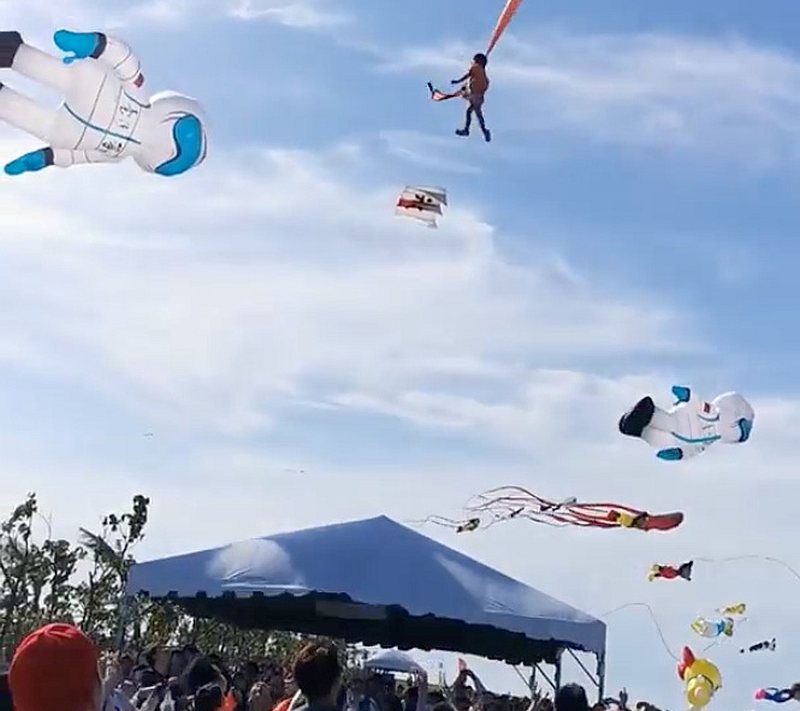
[376, 582]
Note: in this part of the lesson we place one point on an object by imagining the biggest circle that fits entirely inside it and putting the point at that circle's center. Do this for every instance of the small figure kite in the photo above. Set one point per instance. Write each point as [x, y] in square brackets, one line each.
[738, 609]
[700, 677]
[768, 645]
[669, 572]
[779, 696]
[510, 502]
[691, 426]
[713, 628]
[421, 203]
[464, 526]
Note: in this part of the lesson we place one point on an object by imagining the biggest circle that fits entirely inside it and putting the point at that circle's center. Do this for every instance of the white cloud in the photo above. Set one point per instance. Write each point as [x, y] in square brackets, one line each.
[723, 95]
[216, 298]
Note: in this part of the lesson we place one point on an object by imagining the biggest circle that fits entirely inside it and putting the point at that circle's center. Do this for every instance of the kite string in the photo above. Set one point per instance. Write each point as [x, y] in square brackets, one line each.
[652, 617]
[751, 557]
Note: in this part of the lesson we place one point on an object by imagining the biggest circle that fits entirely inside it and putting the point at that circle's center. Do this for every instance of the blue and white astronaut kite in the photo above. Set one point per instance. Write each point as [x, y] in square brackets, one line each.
[104, 117]
[691, 425]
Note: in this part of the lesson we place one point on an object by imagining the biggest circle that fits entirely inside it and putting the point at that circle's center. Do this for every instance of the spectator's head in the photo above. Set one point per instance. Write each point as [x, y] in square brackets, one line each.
[56, 668]
[251, 671]
[191, 653]
[277, 686]
[318, 674]
[442, 706]
[202, 672]
[208, 698]
[178, 661]
[571, 697]
[158, 657]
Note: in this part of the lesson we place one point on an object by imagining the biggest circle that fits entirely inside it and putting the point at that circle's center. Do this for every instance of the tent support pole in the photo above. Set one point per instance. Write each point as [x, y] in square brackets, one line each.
[558, 673]
[536, 668]
[601, 675]
[589, 675]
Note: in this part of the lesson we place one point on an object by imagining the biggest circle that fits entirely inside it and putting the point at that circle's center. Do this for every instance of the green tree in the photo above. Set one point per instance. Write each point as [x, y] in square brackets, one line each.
[100, 596]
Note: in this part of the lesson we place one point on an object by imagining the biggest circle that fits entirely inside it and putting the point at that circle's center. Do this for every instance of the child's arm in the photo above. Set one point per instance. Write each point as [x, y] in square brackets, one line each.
[461, 80]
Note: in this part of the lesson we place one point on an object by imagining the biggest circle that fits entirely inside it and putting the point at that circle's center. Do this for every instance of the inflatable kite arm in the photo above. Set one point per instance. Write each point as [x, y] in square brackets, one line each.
[113, 53]
[62, 157]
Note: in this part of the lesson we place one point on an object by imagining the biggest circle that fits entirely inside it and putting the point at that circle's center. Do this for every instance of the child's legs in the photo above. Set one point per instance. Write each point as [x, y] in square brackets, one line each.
[468, 118]
[476, 105]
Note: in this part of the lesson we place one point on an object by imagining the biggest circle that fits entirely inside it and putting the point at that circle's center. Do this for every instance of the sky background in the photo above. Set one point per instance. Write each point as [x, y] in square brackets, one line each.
[632, 225]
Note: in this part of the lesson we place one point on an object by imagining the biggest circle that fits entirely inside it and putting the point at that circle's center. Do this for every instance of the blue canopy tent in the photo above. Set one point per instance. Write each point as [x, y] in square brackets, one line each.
[377, 582]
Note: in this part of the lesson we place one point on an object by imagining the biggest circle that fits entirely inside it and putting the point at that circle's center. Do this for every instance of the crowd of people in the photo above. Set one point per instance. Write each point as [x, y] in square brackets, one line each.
[58, 668]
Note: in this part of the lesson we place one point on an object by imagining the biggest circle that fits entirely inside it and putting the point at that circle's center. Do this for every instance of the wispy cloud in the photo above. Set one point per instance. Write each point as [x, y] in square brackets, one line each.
[300, 14]
[268, 276]
[724, 95]
[292, 13]
[435, 152]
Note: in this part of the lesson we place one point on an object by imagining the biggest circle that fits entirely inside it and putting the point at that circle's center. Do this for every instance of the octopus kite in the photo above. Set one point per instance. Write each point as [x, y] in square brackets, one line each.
[512, 502]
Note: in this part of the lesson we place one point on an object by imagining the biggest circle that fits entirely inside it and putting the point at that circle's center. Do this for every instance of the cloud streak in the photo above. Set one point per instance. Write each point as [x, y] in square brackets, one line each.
[298, 14]
[242, 287]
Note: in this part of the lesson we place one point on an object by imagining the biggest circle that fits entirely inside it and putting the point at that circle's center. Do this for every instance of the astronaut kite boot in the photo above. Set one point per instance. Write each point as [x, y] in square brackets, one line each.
[10, 42]
[633, 422]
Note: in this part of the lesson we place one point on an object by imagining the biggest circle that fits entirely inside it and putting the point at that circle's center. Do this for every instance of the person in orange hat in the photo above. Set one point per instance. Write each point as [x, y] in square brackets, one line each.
[56, 668]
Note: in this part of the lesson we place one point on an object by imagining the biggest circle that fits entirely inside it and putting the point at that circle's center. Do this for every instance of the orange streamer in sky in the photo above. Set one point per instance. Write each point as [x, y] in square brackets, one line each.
[505, 17]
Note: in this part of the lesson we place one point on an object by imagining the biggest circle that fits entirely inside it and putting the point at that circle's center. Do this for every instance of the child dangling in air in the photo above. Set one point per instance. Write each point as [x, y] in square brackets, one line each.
[475, 85]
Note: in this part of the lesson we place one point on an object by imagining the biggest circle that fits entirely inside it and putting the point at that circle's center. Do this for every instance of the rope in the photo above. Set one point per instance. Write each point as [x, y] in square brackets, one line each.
[767, 558]
[652, 617]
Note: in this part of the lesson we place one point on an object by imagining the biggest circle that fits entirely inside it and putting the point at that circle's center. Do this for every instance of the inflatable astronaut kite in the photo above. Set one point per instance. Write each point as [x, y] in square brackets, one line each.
[104, 117]
[691, 425]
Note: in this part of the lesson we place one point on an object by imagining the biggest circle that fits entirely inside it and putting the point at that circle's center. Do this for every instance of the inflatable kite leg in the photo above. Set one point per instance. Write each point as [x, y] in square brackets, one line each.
[24, 113]
[655, 426]
[39, 66]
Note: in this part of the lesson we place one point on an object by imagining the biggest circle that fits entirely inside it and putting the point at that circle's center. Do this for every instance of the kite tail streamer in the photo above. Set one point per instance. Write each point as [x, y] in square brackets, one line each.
[502, 22]
[652, 617]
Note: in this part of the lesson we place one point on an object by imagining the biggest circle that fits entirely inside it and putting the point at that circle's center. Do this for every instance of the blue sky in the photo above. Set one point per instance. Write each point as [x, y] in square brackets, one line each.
[633, 224]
